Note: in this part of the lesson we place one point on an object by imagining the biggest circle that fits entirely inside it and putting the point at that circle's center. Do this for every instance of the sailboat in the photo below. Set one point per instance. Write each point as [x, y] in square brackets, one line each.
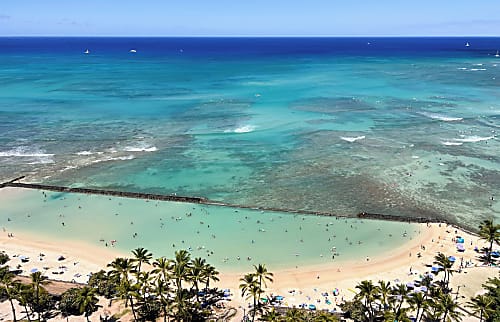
[86, 51]
[497, 54]
[467, 44]
[133, 51]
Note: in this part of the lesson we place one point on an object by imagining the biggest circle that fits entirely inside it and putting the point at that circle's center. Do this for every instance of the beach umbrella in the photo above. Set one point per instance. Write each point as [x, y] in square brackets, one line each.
[460, 240]
[34, 270]
[279, 298]
[452, 258]
[312, 307]
[22, 257]
[423, 288]
[410, 285]
[435, 269]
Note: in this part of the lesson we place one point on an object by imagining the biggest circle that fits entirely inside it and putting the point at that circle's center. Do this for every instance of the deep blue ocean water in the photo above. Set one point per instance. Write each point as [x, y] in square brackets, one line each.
[404, 126]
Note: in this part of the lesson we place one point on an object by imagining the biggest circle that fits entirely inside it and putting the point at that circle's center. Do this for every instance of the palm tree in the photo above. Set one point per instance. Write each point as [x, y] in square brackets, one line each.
[144, 280]
[86, 301]
[162, 265]
[141, 255]
[263, 274]
[23, 293]
[181, 267]
[490, 233]
[250, 288]
[385, 290]
[443, 261]
[401, 294]
[368, 293]
[210, 273]
[482, 305]
[9, 286]
[449, 308]
[418, 302]
[196, 274]
[37, 282]
[121, 269]
[161, 291]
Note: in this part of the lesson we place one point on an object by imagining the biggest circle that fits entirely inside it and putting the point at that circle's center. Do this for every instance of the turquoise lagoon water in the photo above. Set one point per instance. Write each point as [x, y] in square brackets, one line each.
[388, 125]
[219, 234]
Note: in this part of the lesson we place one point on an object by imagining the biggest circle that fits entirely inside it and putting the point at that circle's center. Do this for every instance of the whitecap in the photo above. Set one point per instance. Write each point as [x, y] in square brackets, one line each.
[84, 153]
[477, 69]
[242, 129]
[474, 138]
[140, 149]
[451, 143]
[352, 139]
[441, 117]
[24, 152]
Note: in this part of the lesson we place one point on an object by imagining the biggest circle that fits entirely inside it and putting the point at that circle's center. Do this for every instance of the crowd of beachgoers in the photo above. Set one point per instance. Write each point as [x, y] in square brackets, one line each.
[442, 254]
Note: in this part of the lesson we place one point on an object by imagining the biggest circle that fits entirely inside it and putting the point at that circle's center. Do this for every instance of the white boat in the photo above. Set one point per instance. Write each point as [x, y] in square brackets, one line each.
[467, 44]
[497, 54]
[132, 51]
[86, 51]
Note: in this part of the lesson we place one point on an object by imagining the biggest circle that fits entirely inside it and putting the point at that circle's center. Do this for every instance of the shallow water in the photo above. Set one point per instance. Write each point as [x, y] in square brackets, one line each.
[219, 234]
[397, 126]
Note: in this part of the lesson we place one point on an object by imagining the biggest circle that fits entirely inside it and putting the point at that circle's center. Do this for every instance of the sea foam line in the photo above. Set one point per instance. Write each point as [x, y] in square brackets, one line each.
[352, 139]
[441, 117]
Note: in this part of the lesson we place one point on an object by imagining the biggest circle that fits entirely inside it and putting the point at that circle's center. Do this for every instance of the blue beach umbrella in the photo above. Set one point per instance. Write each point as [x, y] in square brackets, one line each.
[452, 258]
[34, 270]
[279, 298]
[312, 307]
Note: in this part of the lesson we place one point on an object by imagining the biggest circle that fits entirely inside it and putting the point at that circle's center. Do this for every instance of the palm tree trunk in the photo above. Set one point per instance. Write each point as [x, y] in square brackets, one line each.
[13, 309]
[489, 253]
[27, 312]
[254, 307]
[132, 307]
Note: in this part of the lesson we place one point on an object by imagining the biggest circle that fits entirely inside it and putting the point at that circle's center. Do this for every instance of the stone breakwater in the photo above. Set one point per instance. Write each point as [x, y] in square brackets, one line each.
[205, 201]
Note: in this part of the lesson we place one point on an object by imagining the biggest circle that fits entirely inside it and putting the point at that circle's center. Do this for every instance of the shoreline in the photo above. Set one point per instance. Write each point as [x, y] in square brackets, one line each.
[299, 285]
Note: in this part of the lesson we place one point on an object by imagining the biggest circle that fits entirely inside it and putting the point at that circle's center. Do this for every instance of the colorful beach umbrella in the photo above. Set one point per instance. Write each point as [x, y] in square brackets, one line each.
[452, 258]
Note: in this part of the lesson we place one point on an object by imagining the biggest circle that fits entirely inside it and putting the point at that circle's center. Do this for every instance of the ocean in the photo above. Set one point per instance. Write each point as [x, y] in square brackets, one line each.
[397, 126]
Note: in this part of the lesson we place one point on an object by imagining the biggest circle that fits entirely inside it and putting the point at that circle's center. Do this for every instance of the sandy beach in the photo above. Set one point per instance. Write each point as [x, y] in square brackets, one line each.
[70, 261]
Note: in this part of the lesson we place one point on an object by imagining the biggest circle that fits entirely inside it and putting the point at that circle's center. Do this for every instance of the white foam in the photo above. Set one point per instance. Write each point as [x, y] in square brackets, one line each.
[24, 152]
[122, 158]
[451, 143]
[33, 155]
[441, 117]
[84, 153]
[242, 129]
[140, 149]
[474, 138]
[476, 69]
[352, 139]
